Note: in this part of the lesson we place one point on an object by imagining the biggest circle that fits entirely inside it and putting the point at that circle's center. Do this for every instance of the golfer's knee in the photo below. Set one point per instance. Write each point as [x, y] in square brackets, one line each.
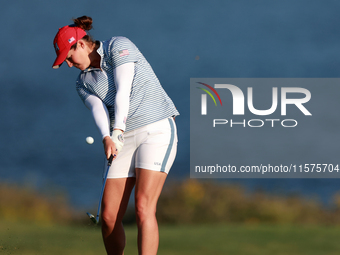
[109, 218]
[144, 211]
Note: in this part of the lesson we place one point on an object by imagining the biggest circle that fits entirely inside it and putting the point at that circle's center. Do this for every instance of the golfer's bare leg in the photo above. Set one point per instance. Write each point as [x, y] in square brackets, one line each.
[149, 185]
[115, 201]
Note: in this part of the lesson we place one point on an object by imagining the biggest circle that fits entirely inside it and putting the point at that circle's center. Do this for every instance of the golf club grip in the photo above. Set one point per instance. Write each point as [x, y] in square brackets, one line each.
[110, 160]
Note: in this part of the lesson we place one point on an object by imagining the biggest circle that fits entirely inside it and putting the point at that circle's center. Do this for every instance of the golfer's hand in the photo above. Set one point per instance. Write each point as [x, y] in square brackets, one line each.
[118, 139]
[109, 147]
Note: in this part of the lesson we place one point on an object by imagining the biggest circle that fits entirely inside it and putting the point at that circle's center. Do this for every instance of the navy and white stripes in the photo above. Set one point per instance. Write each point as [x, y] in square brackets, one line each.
[148, 100]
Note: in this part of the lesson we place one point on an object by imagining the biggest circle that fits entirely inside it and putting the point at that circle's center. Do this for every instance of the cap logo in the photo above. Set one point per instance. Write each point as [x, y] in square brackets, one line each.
[71, 39]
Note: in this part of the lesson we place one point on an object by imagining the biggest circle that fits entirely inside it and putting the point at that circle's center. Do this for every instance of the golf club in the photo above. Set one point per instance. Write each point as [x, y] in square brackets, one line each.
[95, 220]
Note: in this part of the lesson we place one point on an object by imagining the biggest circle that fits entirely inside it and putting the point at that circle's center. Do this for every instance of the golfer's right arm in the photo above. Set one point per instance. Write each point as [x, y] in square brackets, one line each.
[101, 118]
[124, 75]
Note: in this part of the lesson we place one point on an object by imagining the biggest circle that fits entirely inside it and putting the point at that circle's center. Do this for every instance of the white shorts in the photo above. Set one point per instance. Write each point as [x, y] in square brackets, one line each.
[151, 147]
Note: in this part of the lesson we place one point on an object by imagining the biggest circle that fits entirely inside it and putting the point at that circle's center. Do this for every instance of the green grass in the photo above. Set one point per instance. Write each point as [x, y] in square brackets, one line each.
[27, 239]
[24, 238]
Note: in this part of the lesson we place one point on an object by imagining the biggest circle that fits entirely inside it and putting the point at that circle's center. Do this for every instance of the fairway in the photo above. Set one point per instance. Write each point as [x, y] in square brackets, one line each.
[27, 239]
[252, 240]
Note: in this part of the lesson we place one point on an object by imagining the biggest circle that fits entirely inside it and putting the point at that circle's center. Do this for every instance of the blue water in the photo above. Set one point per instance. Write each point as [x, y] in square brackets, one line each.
[44, 123]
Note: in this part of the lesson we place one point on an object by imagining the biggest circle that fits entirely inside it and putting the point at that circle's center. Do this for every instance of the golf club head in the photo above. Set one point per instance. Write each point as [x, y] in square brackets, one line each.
[94, 220]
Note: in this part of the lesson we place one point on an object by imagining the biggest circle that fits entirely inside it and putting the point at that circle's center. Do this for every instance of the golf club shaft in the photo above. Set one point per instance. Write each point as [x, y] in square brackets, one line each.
[103, 187]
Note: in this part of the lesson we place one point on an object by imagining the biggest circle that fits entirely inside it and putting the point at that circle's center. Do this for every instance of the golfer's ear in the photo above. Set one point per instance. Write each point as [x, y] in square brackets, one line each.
[81, 44]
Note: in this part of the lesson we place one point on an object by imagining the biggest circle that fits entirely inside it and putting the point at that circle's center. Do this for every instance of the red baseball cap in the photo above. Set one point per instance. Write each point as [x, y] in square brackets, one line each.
[65, 38]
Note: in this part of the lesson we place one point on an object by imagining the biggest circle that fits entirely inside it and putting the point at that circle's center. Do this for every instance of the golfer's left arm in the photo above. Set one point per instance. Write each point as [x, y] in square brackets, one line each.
[124, 75]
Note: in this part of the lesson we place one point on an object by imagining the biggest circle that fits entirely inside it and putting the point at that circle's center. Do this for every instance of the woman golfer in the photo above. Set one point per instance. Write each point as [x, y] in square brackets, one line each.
[128, 103]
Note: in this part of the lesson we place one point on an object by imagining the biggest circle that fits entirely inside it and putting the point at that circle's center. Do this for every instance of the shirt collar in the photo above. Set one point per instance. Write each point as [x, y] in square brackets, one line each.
[100, 51]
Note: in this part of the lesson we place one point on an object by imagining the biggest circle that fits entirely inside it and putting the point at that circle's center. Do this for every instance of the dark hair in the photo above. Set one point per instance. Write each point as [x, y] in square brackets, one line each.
[85, 23]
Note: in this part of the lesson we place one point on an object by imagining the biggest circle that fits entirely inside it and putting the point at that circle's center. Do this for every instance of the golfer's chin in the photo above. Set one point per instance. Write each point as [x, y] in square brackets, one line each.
[81, 68]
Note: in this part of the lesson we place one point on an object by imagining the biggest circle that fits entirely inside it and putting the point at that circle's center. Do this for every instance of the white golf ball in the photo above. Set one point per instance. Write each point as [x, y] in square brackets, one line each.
[89, 140]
